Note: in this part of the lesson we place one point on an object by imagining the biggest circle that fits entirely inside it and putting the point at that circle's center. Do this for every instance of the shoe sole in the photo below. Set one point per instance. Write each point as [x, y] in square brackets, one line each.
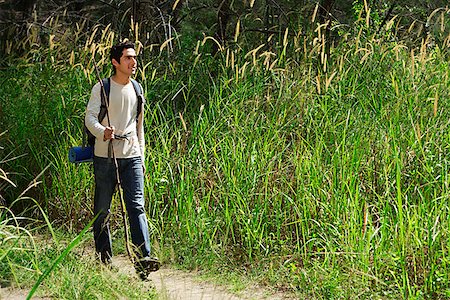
[145, 267]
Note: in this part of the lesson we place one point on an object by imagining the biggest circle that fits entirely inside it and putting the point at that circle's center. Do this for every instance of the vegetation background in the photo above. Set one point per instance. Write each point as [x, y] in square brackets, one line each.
[303, 144]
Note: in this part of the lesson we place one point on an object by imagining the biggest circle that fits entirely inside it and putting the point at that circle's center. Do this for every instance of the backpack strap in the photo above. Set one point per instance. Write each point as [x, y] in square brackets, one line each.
[104, 102]
[139, 95]
[88, 137]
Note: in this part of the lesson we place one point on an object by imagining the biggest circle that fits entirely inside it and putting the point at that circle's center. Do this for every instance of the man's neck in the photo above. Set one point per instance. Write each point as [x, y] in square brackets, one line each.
[121, 79]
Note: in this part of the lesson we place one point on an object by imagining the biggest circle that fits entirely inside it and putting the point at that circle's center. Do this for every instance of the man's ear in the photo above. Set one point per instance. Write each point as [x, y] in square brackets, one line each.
[114, 62]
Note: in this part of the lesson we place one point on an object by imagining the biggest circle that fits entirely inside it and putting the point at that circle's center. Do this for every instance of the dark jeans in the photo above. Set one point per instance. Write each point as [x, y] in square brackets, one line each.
[132, 181]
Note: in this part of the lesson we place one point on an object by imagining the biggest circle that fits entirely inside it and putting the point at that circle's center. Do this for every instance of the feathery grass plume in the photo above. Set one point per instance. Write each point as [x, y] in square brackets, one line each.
[206, 38]
[237, 30]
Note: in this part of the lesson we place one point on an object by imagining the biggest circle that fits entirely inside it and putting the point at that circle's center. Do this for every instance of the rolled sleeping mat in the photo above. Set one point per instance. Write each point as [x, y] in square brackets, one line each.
[81, 154]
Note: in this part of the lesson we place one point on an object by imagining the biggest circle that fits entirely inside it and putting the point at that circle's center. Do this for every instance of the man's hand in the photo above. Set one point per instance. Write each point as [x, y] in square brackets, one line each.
[108, 133]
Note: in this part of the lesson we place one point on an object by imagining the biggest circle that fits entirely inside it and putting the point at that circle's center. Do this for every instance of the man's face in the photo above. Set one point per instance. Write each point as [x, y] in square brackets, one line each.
[128, 64]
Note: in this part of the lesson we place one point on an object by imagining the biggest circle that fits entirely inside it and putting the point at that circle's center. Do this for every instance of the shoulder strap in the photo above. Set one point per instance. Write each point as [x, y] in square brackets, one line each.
[104, 102]
[88, 138]
[137, 86]
[140, 96]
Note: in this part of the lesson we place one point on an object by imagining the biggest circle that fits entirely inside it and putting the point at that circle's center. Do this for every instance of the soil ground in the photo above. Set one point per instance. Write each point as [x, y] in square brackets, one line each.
[172, 284]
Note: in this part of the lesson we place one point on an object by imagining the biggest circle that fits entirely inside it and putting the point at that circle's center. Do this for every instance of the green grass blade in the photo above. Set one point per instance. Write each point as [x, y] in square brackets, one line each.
[66, 251]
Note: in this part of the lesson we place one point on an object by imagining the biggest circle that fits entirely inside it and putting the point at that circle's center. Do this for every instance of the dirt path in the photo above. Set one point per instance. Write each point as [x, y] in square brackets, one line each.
[12, 294]
[17, 294]
[172, 284]
[180, 285]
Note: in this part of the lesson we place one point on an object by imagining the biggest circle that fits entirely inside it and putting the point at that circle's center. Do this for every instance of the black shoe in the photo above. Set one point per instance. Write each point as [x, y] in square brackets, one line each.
[106, 258]
[146, 265]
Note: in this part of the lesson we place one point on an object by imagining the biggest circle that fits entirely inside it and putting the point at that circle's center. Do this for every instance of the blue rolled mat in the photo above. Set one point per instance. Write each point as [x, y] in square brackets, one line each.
[81, 154]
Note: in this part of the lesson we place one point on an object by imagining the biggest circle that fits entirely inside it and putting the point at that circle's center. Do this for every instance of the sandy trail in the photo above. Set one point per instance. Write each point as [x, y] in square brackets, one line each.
[173, 284]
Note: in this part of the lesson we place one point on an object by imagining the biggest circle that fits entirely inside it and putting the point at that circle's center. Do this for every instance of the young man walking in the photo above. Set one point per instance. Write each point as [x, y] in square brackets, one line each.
[120, 135]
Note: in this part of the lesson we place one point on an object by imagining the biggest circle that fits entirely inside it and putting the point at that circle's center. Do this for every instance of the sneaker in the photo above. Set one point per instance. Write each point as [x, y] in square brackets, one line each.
[106, 258]
[146, 265]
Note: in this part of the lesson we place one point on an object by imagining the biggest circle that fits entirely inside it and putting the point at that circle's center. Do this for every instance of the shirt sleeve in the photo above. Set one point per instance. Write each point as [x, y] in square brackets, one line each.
[92, 111]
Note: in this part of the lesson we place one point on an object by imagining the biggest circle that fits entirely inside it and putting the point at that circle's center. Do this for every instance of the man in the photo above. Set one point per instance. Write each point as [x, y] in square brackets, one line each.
[121, 135]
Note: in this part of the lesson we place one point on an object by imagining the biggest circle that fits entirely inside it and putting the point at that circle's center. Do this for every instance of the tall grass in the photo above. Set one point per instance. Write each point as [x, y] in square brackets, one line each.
[333, 168]
[35, 259]
[323, 167]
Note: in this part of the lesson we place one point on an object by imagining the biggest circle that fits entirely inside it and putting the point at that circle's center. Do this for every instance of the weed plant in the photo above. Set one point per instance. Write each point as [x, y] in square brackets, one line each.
[35, 259]
[323, 167]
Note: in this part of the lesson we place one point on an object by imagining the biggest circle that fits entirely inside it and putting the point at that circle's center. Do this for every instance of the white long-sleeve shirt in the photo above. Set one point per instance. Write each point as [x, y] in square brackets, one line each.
[122, 114]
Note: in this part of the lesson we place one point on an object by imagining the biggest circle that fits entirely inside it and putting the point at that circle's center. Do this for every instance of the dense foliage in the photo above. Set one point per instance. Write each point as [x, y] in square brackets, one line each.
[320, 163]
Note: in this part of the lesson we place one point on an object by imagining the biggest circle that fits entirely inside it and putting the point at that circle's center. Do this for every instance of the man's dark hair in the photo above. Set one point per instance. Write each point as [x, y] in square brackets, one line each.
[116, 51]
